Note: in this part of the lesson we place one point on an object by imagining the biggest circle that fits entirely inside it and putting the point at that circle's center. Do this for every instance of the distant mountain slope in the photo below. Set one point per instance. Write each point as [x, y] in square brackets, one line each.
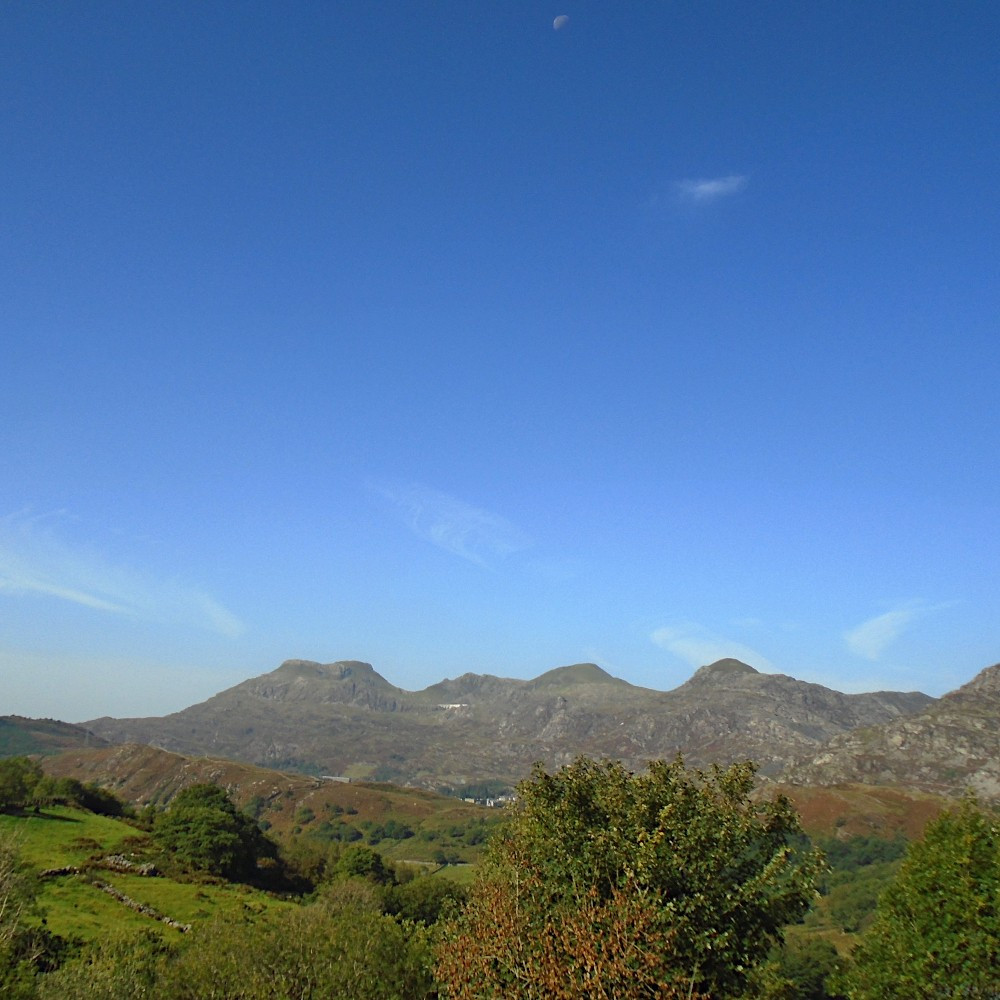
[144, 775]
[345, 718]
[861, 810]
[20, 735]
[952, 744]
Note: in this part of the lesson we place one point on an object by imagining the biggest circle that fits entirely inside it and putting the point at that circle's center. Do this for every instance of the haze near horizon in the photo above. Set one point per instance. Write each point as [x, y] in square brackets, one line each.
[450, 339]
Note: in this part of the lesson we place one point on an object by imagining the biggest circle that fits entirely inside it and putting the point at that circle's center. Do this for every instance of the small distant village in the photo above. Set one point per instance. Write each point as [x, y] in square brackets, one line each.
[490, 801]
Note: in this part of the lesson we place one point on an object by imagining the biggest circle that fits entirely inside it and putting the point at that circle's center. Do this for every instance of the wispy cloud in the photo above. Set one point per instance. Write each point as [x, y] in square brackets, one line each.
[708, 189]
[36, 561]
[698, 646]
[871, 638]
[472, 533]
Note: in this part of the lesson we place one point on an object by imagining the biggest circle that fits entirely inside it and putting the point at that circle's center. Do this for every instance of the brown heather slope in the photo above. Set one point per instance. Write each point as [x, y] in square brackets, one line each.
[344, 718]
[953, 745]
[861, 810]
[144, 775]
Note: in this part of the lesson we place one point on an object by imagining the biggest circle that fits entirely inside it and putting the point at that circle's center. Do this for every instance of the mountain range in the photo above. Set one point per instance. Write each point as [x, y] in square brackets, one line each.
[345, 719]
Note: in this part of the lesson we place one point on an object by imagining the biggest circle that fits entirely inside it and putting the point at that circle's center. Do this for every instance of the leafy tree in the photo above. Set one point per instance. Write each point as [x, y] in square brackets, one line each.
[851, 903]
[364, 862]
[423, 898]
[810, 965]
[859, 851]
[608, 884]
[443, 857]
[936, 931]
[69, 791]
[395, 830]
[311, 858]
[203, 831]
[351, 895]
[18, 778]
[102, 801]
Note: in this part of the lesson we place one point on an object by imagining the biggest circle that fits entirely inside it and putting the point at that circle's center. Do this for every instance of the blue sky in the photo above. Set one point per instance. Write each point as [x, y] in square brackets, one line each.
[438, 337]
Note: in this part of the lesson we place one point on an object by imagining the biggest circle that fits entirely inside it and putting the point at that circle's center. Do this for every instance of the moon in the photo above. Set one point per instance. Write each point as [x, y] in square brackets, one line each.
[560, 22]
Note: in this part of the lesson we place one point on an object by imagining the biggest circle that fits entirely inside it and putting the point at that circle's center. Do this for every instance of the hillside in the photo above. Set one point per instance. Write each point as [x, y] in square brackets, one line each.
[20, 735]
[855, 810]
[345, 719]
[77, 907]
[948, 746]
[144, 775]
[288, 803]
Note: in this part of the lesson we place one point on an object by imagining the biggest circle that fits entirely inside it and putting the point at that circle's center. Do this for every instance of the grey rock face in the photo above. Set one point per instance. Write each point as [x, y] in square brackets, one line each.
[344, 717]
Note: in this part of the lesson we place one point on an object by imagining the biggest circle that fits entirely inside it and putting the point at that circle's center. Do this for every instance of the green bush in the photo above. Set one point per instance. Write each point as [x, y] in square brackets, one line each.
[299, 953]
[423, 899]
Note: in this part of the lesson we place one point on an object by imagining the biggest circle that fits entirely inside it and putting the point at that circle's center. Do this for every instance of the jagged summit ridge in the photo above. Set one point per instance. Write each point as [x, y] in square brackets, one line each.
[344, 717]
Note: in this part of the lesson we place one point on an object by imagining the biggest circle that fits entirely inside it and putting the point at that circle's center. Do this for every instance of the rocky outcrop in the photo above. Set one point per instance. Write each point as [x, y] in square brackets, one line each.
[950, 747]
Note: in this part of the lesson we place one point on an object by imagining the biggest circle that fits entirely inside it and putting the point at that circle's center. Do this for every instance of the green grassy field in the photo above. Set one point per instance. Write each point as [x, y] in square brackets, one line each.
[462, 874]
[59, 836]
[73, 907]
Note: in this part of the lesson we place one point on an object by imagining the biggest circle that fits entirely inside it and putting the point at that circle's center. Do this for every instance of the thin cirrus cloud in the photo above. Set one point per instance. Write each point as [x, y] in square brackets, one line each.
[472, 533]
[36, 561]
[698, 646]
[871, 638]
[709, 189]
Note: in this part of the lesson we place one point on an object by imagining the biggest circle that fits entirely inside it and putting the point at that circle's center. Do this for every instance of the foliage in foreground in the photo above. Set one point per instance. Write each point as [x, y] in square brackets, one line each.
[16, 895]
[365, 935]
[936, 931]
[605, 884]
[609, 885]
[305, 951]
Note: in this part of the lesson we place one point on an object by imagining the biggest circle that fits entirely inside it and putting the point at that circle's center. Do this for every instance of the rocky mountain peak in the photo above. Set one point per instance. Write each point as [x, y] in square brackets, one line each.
[334, 671]
[345, 681]
[724, 669]
[577, 673]
[986, 684]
